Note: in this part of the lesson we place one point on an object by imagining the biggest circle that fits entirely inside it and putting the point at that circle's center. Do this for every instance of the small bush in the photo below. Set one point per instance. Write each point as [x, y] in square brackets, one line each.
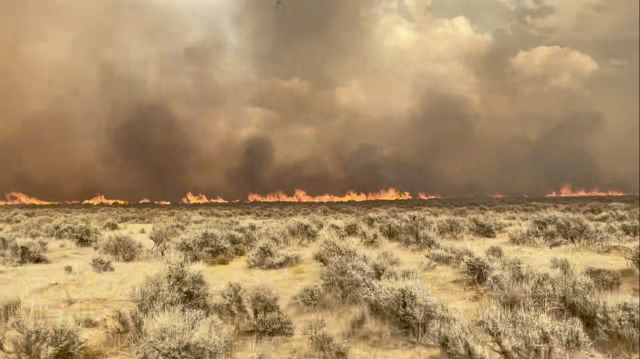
[190, 334]
[495, 252]
[482, 229]
[255, 311]
[369, 221]
[441, 256]
[385, 261]
[415, 229]
[110, 226]
[68, 269]
[451, 227]
[303, 231]
[122, 247]
[449, 255]
[204, 246]
[604, 278]
[322, 342]
[630, 229]
[524, 238]
[400, 274]
[9, 310]
[127, 327]
[330, 248]
[100, 265]
[527, 334]
[456, 339]
[162, 236]
[240, 242]
[310, 297]
[267, 255]
[350, 278]
[477, 268]
[371, 238]
[238, 303]
[406, 308]
[391, 231]
[24, 251]
[178, 287]
[562, 264]
[81, 234]
[35, 340]
[273, 324]
[352, 229]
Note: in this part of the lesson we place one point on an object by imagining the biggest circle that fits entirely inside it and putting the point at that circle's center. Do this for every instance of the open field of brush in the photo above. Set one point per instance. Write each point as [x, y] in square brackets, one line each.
[500, 278]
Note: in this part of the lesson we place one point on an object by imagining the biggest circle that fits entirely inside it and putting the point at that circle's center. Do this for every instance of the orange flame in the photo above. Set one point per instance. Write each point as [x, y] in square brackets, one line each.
[191, 199]
[301, 196]
[423, 195]
[566, 191]
[497, 195]
[99, 199]
[21, 198]
[146, 200]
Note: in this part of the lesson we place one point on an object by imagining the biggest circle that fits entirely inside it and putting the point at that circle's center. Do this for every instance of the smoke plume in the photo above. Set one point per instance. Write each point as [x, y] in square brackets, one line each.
[156, 98]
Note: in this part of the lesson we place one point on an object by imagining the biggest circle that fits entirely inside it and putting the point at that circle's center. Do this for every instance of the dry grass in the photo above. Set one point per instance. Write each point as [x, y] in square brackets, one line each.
[408, 231]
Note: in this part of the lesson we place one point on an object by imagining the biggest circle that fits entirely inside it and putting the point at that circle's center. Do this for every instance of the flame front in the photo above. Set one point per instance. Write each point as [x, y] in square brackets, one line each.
[391, 194]
[566, 191]
[99, 199]
[191, 199]
[423, 195]
[21, 198]
[299, 195]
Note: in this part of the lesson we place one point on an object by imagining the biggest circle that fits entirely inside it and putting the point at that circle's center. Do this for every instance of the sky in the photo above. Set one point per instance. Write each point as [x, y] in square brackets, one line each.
[155, 98]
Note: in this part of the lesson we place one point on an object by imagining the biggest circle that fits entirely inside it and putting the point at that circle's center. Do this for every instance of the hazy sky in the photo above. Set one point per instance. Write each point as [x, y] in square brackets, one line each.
[154, 98]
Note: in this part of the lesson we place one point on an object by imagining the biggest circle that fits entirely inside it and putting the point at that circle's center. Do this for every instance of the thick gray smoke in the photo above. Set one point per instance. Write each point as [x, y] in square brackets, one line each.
[155, 98]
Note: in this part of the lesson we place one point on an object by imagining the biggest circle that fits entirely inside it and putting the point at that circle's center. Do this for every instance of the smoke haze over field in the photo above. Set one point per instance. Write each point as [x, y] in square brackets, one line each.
[155, 98]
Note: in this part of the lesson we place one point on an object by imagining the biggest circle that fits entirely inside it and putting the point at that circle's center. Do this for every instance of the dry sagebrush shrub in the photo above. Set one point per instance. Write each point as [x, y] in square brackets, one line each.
[178, 286]
[253, 310]
[184, 334]
[121, 247]
[268, 255]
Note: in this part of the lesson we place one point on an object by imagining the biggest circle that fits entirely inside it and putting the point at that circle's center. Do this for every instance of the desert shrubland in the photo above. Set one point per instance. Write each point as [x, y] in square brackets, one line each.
[511, 278]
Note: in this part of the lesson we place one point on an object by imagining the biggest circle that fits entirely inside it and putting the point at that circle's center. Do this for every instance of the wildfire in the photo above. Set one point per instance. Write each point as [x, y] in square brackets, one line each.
[21, 198]
[566, 191]
[301, 196]
[146, 200]
[423, 195]
[497, 195]
[191, 199]
[99, 199]
[391, 194]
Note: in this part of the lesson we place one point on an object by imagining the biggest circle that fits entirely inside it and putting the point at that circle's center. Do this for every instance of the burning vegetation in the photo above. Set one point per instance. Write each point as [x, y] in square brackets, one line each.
[390, 194]
[566, 191]
[300, 196]
[199, 199]
[21, 198]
